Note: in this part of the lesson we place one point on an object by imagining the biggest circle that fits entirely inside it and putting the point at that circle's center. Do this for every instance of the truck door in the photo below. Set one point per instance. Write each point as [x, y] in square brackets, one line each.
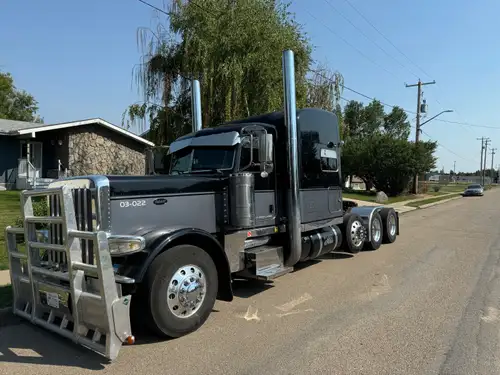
[321, 191]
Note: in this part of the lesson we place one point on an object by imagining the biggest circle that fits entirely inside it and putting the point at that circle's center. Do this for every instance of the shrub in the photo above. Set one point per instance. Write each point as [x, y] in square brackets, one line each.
[40, 208]
[436, 188]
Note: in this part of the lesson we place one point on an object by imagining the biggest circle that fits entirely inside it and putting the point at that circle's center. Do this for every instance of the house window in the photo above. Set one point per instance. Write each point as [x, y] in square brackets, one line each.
[328, 160]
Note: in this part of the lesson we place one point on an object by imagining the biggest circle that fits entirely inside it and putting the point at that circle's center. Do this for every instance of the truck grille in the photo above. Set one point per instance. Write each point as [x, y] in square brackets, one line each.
[85, 213]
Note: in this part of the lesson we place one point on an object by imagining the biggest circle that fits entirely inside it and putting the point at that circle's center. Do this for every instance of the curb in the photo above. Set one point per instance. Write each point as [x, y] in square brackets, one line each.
[431, 204]
[438, 202]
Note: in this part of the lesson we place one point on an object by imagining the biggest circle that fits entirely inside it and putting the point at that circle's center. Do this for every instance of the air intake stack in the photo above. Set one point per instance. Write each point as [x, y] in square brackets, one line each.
[293, 200]
[196, 105]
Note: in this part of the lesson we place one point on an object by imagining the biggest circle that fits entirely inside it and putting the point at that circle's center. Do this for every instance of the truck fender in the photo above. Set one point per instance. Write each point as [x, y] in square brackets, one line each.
[160, 240]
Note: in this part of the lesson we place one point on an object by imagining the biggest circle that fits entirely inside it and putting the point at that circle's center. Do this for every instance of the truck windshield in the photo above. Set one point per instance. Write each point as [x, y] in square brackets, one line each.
[203, 159]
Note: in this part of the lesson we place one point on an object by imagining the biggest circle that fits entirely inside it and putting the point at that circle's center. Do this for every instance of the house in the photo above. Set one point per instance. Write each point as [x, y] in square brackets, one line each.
[355, 183]
[32, 155]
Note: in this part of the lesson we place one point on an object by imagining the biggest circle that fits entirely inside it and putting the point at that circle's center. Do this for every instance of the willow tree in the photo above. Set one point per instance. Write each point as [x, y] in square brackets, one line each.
[233, 47]
[324, 90]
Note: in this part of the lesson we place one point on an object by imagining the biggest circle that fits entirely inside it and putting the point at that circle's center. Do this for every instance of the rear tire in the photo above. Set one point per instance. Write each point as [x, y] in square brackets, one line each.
[353, 233]
[376, 230]
[182, 289]
[389, 220]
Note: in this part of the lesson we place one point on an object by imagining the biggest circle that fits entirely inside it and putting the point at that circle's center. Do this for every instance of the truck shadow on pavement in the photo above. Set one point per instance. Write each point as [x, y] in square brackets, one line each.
[24, 343]
[244, 288]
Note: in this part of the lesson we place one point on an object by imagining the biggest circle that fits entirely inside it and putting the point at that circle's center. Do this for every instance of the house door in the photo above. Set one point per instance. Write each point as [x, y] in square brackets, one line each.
[35, 156]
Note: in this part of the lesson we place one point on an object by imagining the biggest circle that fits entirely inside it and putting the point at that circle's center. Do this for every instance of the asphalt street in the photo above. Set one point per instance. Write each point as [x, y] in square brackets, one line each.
[427, 304]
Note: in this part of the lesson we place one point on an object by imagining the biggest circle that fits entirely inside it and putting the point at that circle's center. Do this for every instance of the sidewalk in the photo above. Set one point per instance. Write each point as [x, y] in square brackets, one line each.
[4, 278]
[400, 207]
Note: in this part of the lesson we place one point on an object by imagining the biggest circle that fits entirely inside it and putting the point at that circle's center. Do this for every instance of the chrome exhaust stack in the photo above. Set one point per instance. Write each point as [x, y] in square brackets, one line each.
[195, 105]
[293, 201]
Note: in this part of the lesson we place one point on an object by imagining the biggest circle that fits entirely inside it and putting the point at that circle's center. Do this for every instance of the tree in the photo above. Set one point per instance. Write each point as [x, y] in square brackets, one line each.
[377, 149]
[372, 116]
[353, 119]
[388, 162]
[324, 89]
[233, 48]
[16, 104]
[396, 124]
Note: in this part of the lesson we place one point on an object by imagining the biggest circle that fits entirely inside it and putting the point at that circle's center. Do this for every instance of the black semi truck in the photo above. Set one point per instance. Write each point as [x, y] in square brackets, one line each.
[249, 199]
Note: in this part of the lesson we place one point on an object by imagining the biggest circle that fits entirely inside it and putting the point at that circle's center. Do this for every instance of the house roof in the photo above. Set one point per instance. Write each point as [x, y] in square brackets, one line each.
[11, 127]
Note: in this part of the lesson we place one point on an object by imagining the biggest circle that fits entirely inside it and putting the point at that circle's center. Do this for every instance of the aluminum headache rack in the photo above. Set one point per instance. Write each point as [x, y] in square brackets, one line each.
[62, 277]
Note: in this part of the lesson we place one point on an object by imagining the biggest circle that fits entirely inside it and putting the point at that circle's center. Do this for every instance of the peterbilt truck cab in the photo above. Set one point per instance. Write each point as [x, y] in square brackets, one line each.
[247, 199]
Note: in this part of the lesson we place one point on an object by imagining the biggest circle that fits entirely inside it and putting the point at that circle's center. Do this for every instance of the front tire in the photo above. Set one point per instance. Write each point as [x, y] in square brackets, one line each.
[182, 289]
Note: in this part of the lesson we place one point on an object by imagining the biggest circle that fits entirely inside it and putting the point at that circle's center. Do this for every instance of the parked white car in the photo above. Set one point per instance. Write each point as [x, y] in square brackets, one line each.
[474, 190]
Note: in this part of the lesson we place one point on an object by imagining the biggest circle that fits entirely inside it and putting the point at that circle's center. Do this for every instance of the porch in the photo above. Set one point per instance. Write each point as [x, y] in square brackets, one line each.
[40, 162]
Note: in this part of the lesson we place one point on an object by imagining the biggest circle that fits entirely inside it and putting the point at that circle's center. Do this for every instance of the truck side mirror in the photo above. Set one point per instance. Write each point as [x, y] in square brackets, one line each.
[266, 148]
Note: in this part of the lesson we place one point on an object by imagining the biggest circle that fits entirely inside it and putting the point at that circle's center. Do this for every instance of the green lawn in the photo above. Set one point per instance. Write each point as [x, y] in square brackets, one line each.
[431, 200]
[9, 211]
[5, 296]
[445, 189]
[370, 197]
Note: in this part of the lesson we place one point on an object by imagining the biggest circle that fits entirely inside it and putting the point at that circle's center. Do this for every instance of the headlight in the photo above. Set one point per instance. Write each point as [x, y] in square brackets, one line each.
[125, 245]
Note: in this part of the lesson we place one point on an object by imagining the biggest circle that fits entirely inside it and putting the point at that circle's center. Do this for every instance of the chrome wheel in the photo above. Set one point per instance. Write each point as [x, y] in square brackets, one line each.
[392, 225]
[376, 230]
[186, 291]
[357, 232]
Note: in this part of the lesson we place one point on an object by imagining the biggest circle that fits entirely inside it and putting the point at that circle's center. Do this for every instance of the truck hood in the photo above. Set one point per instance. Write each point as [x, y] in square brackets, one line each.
[155, 185]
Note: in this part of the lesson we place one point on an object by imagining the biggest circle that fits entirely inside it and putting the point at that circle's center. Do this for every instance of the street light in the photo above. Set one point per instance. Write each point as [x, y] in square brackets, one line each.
[419, 130]
[433, 117]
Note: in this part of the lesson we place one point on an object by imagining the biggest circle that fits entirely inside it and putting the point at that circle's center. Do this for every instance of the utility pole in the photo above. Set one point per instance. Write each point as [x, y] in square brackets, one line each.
[486, 142]
[493, 151]
[419, 85]
[482, 150]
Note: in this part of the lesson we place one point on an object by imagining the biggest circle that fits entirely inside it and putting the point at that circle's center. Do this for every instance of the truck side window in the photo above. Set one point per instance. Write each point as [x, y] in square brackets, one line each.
[328, 160]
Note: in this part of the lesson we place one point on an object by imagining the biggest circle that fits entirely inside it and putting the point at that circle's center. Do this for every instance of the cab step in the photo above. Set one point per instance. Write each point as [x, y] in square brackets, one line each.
[266, 263]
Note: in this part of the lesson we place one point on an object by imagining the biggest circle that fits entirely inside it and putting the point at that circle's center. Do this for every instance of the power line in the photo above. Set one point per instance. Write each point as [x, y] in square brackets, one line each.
[404, 55]
[155, 7]
[446, 148]
[405, 110]
[357, 92]
[361, 53]
[171, 13]
[388, 105]
[383, 36]
[367, 37]
[351, 45]
[469, 124]
[345, 87]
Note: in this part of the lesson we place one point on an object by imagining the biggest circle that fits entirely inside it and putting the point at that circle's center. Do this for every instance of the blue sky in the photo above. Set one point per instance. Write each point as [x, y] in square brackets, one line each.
[76, 58]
